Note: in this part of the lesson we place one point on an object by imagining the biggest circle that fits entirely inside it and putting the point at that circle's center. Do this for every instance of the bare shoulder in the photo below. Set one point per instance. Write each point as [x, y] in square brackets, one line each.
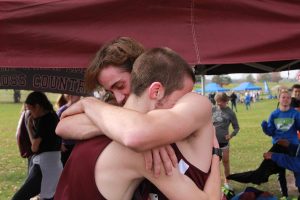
[195, 101]
[191, 96]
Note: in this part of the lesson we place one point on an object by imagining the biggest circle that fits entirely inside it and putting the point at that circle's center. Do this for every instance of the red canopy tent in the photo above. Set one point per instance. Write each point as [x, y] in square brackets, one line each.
[218, 36]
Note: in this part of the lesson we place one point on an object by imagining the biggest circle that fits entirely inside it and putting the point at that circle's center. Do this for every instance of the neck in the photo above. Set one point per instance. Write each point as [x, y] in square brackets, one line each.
[284, 108]
[136, 103]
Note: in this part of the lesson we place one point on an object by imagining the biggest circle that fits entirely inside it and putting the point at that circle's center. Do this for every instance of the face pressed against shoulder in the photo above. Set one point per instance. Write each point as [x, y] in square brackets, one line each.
[117, 81]
[170, 100]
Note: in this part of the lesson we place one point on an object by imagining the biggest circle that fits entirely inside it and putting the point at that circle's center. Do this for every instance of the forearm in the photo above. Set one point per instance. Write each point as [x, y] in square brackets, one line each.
[235, 131]
[144, 131]
[111, 120]
[213, 183]
[235, 126]
[178, 187]
[133, 129]
[77, 127]
[35, 142]
[271, 128]
[30, 134]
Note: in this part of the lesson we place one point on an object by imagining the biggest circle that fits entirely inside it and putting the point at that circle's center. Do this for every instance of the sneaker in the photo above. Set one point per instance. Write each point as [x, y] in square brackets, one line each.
[228, 187]
[283, 198]
[228, 191]
[36, 198]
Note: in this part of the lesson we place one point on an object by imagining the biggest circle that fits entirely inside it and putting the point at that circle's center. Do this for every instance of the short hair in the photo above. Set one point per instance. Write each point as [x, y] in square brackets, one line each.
[222, 97]
[160, 65]
[295, 86]
[284, 91]
[120, 52]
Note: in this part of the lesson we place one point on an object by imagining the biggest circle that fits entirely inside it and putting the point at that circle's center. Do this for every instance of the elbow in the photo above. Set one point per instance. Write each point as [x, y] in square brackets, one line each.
[59, 130]
[135, 142]
[34, 149]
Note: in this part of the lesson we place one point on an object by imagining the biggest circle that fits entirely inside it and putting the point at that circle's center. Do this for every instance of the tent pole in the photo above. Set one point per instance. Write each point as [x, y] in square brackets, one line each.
[203, 84]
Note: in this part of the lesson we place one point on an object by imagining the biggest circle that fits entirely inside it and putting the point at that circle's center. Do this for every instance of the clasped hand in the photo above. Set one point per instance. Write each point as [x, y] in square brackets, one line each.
[160, 159]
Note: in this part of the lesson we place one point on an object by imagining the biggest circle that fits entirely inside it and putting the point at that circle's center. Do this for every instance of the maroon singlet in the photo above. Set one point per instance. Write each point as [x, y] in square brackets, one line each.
[77, 180]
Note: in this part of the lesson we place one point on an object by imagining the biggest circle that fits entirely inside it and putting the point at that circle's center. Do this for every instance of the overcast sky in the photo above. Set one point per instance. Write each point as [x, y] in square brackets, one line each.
[285, 74]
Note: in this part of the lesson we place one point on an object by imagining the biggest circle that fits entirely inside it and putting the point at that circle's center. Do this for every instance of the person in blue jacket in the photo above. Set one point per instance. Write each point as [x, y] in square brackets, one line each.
[289, 161]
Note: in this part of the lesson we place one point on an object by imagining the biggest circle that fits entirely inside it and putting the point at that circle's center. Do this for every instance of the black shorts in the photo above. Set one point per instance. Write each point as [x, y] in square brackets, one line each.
[224, 145]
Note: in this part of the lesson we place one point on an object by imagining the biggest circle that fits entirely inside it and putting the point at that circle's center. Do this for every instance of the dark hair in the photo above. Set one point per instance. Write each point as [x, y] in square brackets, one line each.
[61, 100]
[297, 86]
[222, 97]
[39, 98]
[162, 65]
[120, 52]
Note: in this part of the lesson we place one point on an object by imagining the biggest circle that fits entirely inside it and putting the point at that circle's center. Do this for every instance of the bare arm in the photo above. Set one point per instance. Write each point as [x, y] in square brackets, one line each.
[188, 189]
[77, 127]
[213, 183]
[35, 142]
[179, 186]
[80, 127]
[143, 131]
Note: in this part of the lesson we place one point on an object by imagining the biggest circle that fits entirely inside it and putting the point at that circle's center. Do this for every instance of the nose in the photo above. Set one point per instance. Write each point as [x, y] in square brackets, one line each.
[120, 98]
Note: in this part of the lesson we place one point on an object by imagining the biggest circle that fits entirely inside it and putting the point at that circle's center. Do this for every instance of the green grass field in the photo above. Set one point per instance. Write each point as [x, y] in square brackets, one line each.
[246, 148]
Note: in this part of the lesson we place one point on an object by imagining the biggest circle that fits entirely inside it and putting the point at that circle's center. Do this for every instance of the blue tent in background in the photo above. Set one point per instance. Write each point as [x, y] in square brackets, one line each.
[213, 87]
[266, 88]
[246, 86]
[268, 91]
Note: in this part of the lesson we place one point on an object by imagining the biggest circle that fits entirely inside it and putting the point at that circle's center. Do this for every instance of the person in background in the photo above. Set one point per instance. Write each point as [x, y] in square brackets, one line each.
[233, 100]
[289, 161]
[283, 123]
[45, 145]
[17, 96]
[247, 100]
[61, 100]
[211, 97]
[24, 145]
[22, 136]
[295, 103]
[67, 145]
[222, 117]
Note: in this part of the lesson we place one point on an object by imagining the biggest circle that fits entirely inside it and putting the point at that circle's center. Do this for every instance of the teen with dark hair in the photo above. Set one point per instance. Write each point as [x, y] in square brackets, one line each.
[45, 145]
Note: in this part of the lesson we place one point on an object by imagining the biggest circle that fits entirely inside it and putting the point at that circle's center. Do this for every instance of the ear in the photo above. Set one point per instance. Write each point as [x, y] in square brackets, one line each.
[156, 91]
